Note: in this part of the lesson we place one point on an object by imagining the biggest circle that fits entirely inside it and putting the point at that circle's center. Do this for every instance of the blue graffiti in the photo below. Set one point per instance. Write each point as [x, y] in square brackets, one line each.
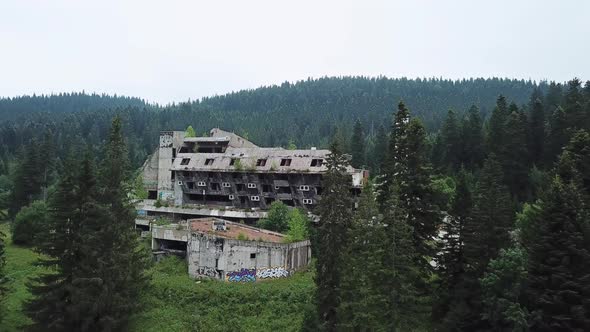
[242, 275]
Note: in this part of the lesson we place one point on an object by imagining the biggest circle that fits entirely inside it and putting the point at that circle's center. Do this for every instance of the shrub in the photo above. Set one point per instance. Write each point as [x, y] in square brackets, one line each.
[243, 237]
[298, 226]
[29, 223]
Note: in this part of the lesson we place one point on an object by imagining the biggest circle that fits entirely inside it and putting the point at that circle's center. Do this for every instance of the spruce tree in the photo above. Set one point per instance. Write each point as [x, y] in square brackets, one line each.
[574, 163]
[403, 276]
[363, 301]
[118, 259]
[484, 234]
[450, 260]
[558, 135]
[538, 133]
[451, 136]
[559, 273]
[496, 137]
[573, 105]
[335, 210]
[357, 146]
[50, 306]
[515, 158]
[397, 151]
[414, 182]
[380, 149]
[472, 139]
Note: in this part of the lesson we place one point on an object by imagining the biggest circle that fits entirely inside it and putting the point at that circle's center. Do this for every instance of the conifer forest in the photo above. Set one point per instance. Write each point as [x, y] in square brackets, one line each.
[475, 215]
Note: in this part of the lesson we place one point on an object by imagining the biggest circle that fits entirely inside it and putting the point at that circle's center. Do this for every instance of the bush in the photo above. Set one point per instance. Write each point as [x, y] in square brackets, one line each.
[29, 223]
[278, 218]
[298, 226]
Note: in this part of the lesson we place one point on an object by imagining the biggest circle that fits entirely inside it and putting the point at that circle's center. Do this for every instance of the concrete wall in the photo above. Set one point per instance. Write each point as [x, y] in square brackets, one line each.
[235, 260]
[150, 171]
[170, 141]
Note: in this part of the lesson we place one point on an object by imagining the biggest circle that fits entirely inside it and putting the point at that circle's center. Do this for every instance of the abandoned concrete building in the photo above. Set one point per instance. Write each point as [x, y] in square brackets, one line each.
[224, 175]
[220, 249]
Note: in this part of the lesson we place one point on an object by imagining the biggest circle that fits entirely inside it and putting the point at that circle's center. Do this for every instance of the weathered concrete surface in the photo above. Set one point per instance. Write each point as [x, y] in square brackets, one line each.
[226, 259]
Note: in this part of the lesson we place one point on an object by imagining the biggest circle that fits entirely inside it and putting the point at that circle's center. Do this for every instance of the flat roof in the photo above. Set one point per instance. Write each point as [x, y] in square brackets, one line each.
[207, 139]
[233, 230]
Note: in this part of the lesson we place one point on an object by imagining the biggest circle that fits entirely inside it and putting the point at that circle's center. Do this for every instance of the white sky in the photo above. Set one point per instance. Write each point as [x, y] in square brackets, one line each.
[172, 50]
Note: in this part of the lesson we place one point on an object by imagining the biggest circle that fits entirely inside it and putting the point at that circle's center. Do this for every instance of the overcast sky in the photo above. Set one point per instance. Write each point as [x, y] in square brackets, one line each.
[174, 50]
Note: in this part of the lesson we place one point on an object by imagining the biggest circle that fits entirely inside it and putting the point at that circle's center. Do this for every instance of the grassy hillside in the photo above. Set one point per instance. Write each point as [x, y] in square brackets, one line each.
[19, 267]
[176, 302]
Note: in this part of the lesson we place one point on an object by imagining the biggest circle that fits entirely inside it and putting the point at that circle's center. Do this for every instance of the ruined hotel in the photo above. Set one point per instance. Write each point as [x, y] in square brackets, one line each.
[211, 189]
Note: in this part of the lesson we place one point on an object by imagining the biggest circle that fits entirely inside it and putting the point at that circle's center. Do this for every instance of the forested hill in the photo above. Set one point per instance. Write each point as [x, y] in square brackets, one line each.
[332, 100]
[24, 106]
[305, 112]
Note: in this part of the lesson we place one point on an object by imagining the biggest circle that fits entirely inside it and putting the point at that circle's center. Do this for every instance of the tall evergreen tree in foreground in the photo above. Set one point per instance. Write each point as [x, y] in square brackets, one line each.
[559, 273]
[335, 212]
[91, 245]
[403, 275]
[60, 245]
[451, 262]
[484, 234]
[363, 304]
[116, 257]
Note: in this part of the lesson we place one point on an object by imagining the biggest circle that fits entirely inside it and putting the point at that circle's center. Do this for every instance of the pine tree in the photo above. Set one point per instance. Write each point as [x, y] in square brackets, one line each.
[538, 134]
[559, 273]
[573, 105]
[397, 151]
[407, 168]
[414, 181]
[27, 179]
[47, 162]
[335, 210]
[363, 304]
[380, 149]
[484, 234]
[496, 137]
[472, 139]
[515, 158]
[49, 309]
[451, 136]
[574, 163]
[450, 260]
[118, 262]
[403, 276]
[558, 134]
[357, 145]
[487, 231]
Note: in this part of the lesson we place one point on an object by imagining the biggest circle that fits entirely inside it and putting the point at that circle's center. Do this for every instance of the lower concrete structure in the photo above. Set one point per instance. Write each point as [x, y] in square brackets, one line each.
[224, 250]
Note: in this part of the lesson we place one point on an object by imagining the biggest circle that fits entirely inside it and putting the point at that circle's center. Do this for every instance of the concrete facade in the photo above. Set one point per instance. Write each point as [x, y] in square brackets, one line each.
[227, 253]
[225, 174]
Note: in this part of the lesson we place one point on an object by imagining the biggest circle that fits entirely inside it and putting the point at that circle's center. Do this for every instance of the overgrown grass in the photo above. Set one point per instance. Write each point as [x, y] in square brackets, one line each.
[19, 267]
[175, 302]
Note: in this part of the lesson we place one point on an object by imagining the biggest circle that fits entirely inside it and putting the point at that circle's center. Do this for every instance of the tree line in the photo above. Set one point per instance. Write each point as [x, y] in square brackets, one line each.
[482, 226]
[84, 231]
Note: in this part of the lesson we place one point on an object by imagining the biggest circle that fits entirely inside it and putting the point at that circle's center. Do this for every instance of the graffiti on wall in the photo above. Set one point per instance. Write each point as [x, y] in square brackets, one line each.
[242, 275]
[271, 273]
[207, 272]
